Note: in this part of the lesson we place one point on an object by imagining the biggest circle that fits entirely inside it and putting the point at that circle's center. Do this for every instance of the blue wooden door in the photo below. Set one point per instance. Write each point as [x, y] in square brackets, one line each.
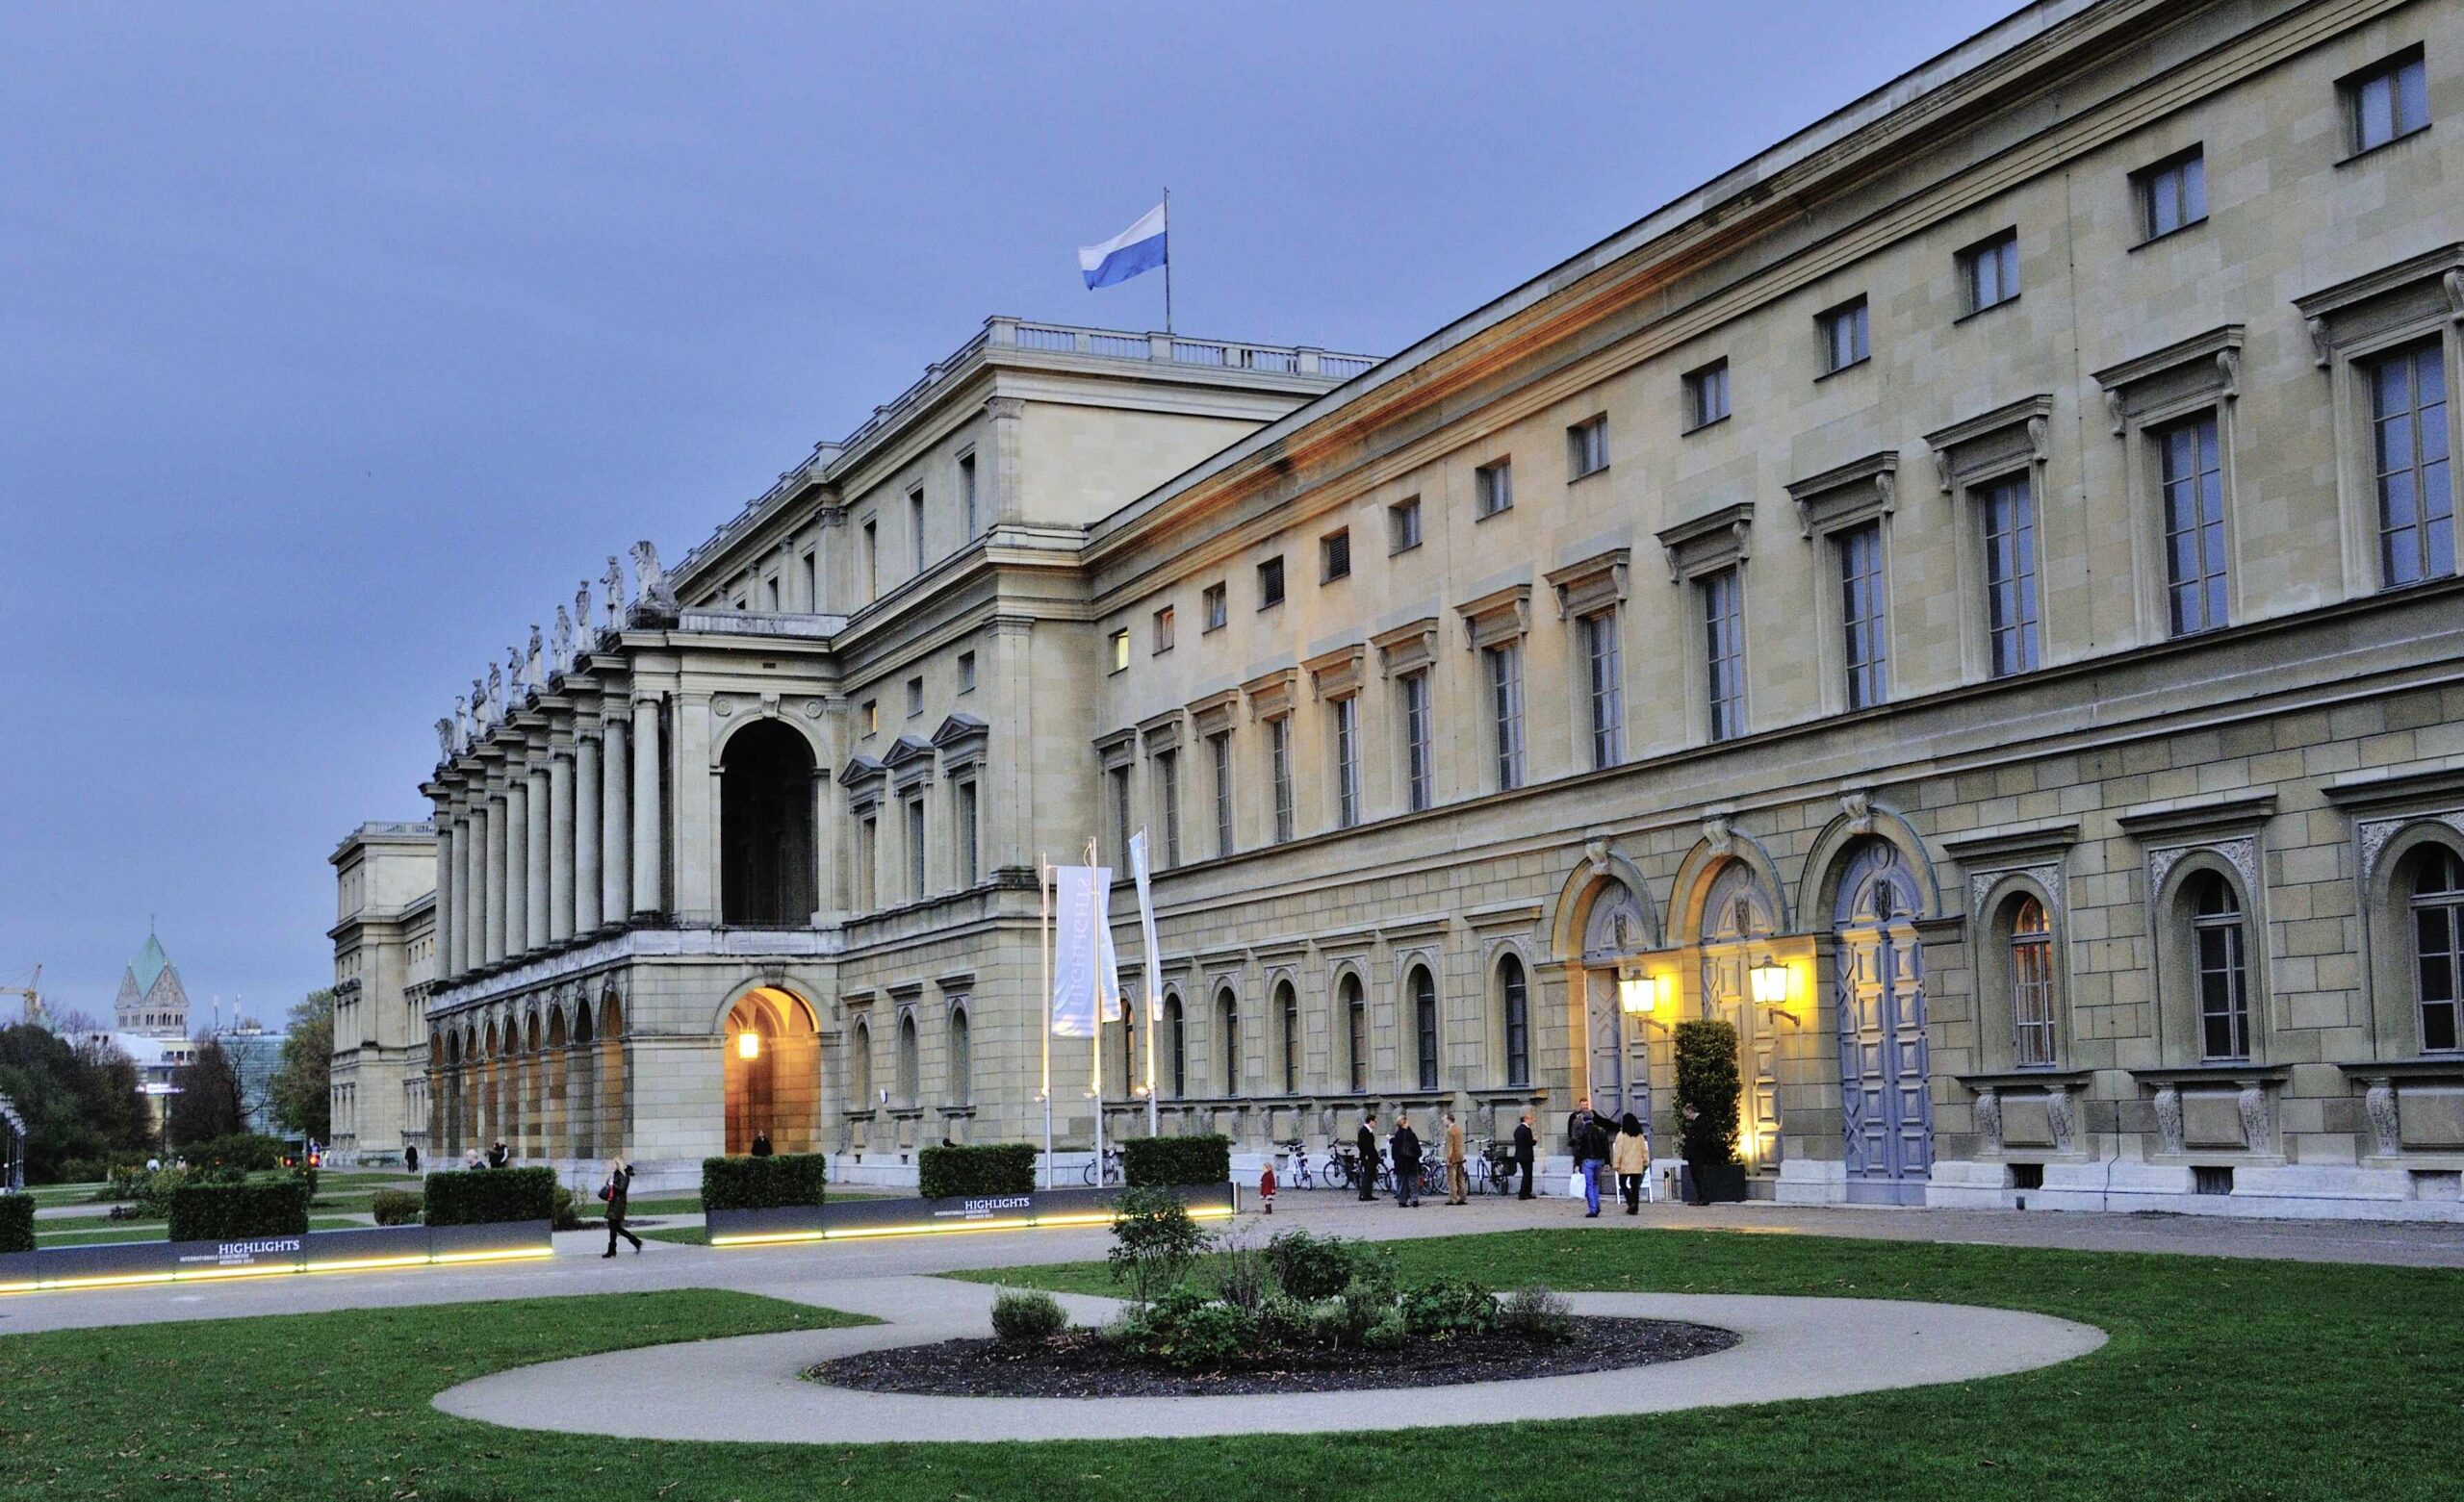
[1887, 1112]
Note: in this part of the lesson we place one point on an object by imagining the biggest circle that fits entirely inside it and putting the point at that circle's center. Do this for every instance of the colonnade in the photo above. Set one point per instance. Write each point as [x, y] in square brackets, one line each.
[547, 1096]
[548, 834]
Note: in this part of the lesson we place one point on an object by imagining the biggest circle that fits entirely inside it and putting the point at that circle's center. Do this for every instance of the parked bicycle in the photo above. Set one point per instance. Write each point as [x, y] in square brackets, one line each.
[1297, 1173]
[1496, 1167]
[1112, 1170]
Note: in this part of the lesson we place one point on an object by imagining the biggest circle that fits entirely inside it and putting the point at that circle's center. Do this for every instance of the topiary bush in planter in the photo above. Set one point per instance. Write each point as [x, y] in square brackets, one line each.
[1166, 1162]
[490, 1196]
[395, 1207]
[790, 1179]
[233, 1212]
[1707, 1081]
[943, 1173]
[16, 1223]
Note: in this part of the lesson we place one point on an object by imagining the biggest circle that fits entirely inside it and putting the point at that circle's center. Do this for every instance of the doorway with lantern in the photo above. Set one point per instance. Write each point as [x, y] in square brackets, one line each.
[1886, 1111]
[772, 1061]
[1616, 929]
[1738, 917]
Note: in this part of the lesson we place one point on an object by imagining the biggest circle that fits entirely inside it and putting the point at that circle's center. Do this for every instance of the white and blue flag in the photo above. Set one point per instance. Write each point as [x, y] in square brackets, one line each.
[1135, 250]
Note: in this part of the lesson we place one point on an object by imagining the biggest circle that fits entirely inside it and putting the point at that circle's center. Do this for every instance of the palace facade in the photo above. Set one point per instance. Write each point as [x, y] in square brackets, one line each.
[1968, 596]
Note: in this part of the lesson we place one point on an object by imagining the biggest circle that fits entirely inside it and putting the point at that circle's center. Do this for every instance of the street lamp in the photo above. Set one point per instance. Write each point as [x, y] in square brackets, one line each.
[1768, 982]
[1640, 996]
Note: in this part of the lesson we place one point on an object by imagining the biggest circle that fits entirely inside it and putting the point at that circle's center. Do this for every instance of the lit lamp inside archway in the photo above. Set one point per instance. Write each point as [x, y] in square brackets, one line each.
[748, 1045]
[1768, 984]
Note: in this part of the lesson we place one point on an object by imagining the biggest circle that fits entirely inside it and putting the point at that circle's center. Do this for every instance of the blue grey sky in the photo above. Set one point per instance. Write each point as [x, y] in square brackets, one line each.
[337, 343]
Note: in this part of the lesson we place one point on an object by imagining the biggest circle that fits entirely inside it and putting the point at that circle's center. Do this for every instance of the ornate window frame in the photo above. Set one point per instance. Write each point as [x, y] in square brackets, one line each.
[2201, 375]
[1969, 455]
[1828, 505]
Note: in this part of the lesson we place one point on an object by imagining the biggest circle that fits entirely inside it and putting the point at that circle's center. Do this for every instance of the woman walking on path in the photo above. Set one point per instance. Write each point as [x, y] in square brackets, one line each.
[613, 1193]
[1630, 1155]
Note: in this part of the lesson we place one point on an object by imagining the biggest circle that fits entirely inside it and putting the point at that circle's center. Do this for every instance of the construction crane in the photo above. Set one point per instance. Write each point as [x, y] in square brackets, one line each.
[32, 991]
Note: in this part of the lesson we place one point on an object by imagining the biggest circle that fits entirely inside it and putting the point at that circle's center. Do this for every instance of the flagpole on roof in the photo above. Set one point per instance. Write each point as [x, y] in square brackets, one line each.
[1167, 262]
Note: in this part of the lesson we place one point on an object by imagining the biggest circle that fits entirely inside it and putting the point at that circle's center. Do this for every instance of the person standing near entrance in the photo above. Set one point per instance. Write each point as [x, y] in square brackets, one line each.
[1591, 1155]
[761, 1144]
[1459, 1187]
[1526, 1148]
[613, 1194]
[1630, 1155]
[1366, 1144]
[1406, 1155]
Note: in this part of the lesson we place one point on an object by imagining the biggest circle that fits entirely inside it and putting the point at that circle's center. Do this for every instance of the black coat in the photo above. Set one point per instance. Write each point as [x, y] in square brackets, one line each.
[1591, 1143]
[1367, 1143]
[1407, 1149]
[1525, 1144]
[620, 1187]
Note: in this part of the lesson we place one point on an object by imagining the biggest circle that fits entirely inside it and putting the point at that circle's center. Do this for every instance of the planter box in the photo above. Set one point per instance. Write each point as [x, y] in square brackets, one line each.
[1715, 1184]
[18, 1269]
[854, 1218]
[774, 1220]
[506, 1239]
[108, 1259]
[400, 1244]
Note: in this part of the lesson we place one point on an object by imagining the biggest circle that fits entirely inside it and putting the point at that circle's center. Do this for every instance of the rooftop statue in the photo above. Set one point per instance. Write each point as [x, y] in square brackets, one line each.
[657, 596]
[496, 693]
[535, 671]
[561, 652]
[614, 580]
[581, 621]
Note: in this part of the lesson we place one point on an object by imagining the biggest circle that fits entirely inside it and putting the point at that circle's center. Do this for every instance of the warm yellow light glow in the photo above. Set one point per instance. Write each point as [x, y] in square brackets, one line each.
[944, 1227]
[1639, 996]
[1770, 982]
[748, 1045]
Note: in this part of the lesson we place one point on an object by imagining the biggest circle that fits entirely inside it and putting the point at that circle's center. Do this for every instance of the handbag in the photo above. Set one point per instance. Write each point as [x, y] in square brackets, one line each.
[607, 1194]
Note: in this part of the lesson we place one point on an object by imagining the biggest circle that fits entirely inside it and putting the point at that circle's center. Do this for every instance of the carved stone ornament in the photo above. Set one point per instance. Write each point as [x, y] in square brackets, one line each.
[810, 708]
[2379, 1103]
[1859, 809]
[613, 597]
[722, 705]
[2453, 285]
[1716, 836]
[2228, 366]
[1594, 854]
[2323, 344]
[561, 651]
[2047, 876]
[2169, 1117]
[444, 738]
[2374, 834]
[2057, 1115]
[1942, 458]
[1989, 1117]
[2241, 855]
[2117, 412]
[2258, 1124]
[653, 590]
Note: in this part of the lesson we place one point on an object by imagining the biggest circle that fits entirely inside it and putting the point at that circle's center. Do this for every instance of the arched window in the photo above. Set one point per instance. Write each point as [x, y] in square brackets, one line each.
[2032, 1010]
[2438, 948]
[962, 1058]
[1288, 1018]
[910, 1062]
[1176, 1046]
[2218, 942]
[1355, 1034]
[1425, 1025]
[1514, 1005]
[766, 872]
[1227, 1035]
[860, 1067]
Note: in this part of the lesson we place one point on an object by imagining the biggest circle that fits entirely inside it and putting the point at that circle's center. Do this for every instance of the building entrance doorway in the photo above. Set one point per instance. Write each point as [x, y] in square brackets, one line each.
[1738, 918]
[772, 1062]
[1618, 1075]
[1886, 1112]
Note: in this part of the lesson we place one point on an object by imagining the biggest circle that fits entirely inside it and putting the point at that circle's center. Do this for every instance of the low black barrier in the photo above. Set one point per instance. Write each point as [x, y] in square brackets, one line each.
[368, 1249]
[851, 1219]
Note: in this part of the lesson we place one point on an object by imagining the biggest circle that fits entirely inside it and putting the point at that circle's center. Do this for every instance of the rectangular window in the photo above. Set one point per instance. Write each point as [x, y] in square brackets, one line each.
[915, 697]
[1606, 662]
[1219, 750]
[2190, 472]
[1122, 820]
[2006, 509]
[1119, 650]
[872, 560]
[1214, 603]
[2387, 100]
[1989, 271]
[1420, 773]
[1724, 652]
[2171, 194]
[1270, 583]
[916, 524]
[871, 715]
[916, 845]
[2032, 1003]
[1279, 773]
[2410, 464]
[1404, 526]
[868, 832]
[1866, 654]
[812, 582]
[1493, 488]
[1706, 395]
[1334, 556]
[1346, 762]
[967, 673]
[1845, 341]
[1505, 712]
[967, 517]
[1168, 794]
[969, 837]
[1163, 630]
[770, 594]
[1587, 447]
[2223, 989]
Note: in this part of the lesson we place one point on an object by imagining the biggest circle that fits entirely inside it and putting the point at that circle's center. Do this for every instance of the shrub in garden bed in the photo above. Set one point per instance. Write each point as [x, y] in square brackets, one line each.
[231, 1212]
[490, 1196]
[16, 1223]
[788, 1179]
[1026, 1318]
[1165, 1162]
[943, 1173]
[395, 1207]
[245, 1151]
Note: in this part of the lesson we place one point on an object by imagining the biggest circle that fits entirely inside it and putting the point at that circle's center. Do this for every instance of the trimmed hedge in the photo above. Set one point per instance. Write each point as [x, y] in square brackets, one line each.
[490, 1196]
[763, 1183]
[1707, 1079]
[1170, 1162]
[943, 1173]
[247, 1151]
[231, 1212]
[16, 1223]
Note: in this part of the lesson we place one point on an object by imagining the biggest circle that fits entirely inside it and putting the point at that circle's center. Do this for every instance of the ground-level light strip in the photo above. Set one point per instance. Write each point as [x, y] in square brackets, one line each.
[1045, 1210]
[142, 1264]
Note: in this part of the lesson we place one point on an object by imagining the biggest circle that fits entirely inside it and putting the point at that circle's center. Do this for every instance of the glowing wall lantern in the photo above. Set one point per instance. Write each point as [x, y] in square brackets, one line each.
[748, 1045]
[1768, 985]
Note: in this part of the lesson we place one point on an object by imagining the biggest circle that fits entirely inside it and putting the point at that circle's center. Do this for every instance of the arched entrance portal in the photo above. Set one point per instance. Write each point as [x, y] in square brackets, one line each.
[766, 878]
[1738, 917]
[773, 1066]
[1887, 1115]
[1614, 929]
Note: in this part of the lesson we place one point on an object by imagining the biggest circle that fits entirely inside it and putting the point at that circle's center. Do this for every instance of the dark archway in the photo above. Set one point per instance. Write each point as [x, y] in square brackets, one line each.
[766, 877]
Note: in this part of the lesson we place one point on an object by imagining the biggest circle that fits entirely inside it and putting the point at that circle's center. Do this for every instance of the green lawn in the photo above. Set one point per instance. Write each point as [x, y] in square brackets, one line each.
[2225, 1379]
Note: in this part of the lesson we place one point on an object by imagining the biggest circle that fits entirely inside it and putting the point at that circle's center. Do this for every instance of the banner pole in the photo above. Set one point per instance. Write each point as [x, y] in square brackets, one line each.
[1095, 1053]
[1167, 262]
[1043, 1003]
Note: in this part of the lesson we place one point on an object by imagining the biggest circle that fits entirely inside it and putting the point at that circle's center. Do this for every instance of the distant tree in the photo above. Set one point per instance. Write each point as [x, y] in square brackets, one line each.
[303, 1085]
[75, 1108]
[209, 1103]
[114, 1102]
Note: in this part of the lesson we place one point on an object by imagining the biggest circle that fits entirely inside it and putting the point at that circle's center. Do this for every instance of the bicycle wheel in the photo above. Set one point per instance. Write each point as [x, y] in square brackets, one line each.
[1087, 1175]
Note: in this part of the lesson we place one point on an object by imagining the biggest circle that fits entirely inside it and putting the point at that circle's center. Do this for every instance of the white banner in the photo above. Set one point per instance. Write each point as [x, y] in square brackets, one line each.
[1146, 927]
[1082, 962]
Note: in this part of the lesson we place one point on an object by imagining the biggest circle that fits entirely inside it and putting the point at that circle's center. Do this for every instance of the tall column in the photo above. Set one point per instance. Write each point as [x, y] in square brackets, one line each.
[615, 827]
[534, 866]
[470, 898]
[586, 815]
[495, 815]
[517, 859]
[830, 883]
[646, 806]
[560, 844]
[446, 878]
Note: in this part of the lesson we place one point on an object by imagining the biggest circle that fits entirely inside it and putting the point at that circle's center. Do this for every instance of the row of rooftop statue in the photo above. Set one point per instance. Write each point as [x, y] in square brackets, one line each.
[506, 688]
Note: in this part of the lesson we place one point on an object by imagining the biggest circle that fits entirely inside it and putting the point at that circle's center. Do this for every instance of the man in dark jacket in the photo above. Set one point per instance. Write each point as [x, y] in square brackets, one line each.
[1408, 1162]
[1367, 1145]
[761, 1144]
[1526, 1148]
[1591, 1155]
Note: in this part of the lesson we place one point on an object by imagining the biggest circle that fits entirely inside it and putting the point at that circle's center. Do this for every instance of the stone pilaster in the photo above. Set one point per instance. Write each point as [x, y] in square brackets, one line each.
[615, 824]
[560, 843]
[586, 816]
[646, 805]
[535, 861]
[493, 814]
[517, 860]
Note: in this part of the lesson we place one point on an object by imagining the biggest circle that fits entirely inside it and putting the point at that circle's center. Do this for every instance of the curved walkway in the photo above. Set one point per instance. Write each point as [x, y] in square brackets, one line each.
[750, 1388]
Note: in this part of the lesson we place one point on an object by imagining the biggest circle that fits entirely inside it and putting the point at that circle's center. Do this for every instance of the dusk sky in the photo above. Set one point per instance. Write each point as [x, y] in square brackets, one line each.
[336, 344]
